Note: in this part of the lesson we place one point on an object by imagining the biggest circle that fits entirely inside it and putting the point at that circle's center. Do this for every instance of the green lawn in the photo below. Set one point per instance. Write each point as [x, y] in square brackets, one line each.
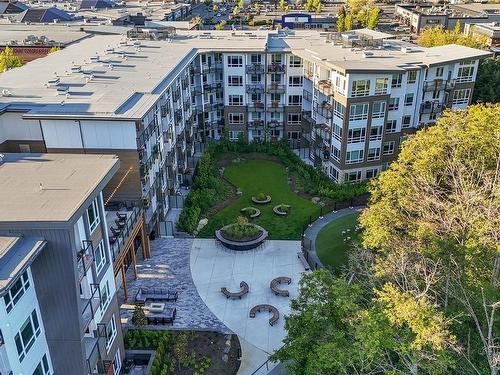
[263, 176]
[330, 245]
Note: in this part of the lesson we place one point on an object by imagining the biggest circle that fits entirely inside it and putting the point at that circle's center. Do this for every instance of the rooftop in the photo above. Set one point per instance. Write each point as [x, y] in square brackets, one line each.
[16, 254]
[49, 187]
[108, 76]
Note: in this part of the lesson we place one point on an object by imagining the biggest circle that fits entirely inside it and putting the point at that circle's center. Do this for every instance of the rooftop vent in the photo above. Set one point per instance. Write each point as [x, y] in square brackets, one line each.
[6, 92]
[76, 69]
[53, 82]
[367, 54]
[405, 49]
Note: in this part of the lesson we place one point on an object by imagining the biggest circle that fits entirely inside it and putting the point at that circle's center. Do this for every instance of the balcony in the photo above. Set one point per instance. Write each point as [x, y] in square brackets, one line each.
[208, 87]
[85, 258]
[92, 350]
[275, 106]
[90, 306]
[195, 69]
[196, 91]
[214, 106]
[212, 68]
[255, 88]
[276, 68]
[306, 116]
[256, 107]
[255, 69]
[274, 124]
[255, 123]
[438, 84]
[130, 219]
[276, 88]
[432, 107]
[324, 109]
[325, 87]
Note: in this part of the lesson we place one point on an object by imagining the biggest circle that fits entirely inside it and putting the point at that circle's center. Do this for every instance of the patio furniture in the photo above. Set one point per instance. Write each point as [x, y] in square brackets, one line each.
[244, 290]
[155, 307]
[121, 216]
[114, 231]
[120, 224]
[276, 282]
[273, 310]
[303, 261]
[167, 316]
[112, 239]
[155, 294]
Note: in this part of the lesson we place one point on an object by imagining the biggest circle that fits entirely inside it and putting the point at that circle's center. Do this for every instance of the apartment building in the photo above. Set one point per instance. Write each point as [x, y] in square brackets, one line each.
[58, 306]
[156, 97]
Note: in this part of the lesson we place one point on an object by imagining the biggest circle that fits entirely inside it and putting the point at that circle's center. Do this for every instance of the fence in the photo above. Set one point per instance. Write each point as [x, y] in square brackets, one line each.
[176, 201]
[167, 228]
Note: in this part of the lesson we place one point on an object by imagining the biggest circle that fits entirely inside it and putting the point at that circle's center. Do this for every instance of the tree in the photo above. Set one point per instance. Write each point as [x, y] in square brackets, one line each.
[361, 17]
[241, 4]
[197, 21]
[220, 25]
[215, 8]
[298, 3]
[341, 19]
[309, 5]
[8, 60]
[180, 348]
[138, 317]
[54, 49]
[348, 22]
[317, 5]
[436, 36]
[373, 18]
[457, 28]
[282, 5]
[488, 81]
[257, 7]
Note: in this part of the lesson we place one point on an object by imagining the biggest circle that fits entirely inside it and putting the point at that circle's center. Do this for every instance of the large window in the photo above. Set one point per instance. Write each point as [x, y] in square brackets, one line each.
[376, 133]
[355, 156]
[338, 109]
[235, 118]
[337, 132]
[391, 126]
[406, 121]
[335, 153]
[465, 71]
[117, 362]
[234, 134]
[353, 176]
[378, 110]
[295, 62]
[255, 59]
[16, 291]
[234, 80]
[295, 81]
[93, 215]
[358, 111]
[105, 296]
[397, 79]
[110, 332]
[412, 76]
[461, 96]
[27, 335]
[388, 147]
[360, 88]
[235, 99]
[393, 104]
[373, 154]
[99, 257]
[381, 85]
[370, 173]
[294, 99]
[43, 367]
[356, 135]
[294, 118]
[234, 61]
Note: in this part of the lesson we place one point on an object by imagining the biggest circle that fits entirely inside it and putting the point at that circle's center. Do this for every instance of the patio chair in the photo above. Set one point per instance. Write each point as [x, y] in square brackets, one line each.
[116, 232]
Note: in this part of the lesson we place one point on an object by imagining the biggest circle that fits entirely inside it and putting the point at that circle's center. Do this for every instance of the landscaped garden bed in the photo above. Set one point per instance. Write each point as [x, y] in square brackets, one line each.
[241, 235]
[250, 212]
[282, 209]
[187, 352]
[261, 198]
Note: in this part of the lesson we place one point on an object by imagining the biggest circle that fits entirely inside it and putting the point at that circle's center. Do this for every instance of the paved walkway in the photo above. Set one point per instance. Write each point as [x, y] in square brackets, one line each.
[169, 267]
[311, 232]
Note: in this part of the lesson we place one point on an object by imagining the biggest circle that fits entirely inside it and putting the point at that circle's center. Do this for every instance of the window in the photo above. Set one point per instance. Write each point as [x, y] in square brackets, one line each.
[110, 332]
[393, 104]
[436, 94]
[373, 154]
[352, 176]
[381, 85]
[255, 59]
[235, 99]
[358, 111]
[391, 126]
[334, 174]
[396, 80]
[370, 173]
[465, 71]
[234, 80]
[409, 99]
[275, 78]
[275, 97]
[338, 109]
[117, 362]
[388, 148]
[293, 135]
[360, 88]
[16, 291]
[335, 153]
[356, 135]
[93, 215]
[294, 99]
[294, 118]
[461, 96]
[27, 335]
[235, 134]
[337, 132]
[375, 133]
[295, 62]
[99, 257]
[295, 81]
[235, 118]
[105, 296]
[439, 71]
[355, 156]
[340, 84]
[412, 76]
[276, 58]
[378, 110]
[255, 78]
[406, 121]
[234, 61]
[43, 367]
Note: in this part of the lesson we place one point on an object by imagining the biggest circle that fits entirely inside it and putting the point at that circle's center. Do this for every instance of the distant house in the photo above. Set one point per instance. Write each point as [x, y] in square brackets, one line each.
[12, 7]
[43, 15]
[97, 4]
[304, 21]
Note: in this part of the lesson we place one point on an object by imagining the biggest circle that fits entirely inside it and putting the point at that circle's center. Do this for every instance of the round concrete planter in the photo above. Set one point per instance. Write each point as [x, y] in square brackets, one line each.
[265, 201]
[277, 209]
[255, 212]
[243, 244]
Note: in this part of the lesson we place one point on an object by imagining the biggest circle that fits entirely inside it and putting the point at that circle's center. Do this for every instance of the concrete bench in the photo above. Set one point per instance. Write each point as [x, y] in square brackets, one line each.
[243, 290]
[276, 282]
[303, 261]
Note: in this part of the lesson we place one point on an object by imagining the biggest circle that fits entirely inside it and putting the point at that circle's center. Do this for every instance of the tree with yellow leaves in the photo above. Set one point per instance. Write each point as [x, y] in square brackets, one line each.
[8, 60]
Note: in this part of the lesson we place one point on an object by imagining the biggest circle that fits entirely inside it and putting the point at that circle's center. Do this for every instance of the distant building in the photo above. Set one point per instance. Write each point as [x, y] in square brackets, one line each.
[422, 15]
[42, 15]
[489, 30]
[305, 21]
[12, 7]
[97, 4]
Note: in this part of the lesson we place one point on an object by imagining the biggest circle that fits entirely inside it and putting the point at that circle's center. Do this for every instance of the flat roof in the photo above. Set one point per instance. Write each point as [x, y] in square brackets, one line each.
[49, 187]
[16, 254]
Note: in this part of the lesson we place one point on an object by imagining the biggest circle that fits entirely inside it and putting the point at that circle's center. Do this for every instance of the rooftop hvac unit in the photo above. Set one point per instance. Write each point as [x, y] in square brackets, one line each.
[6, 92]
[367, 54]
[406, 49]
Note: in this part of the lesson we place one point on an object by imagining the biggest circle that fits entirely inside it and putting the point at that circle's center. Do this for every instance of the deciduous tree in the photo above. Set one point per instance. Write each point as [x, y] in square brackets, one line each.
[9, 60]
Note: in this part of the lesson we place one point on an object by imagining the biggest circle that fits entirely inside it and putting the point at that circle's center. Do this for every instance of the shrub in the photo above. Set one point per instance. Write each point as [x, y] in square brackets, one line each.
[138, 317]
[241, 229]
[261, 196]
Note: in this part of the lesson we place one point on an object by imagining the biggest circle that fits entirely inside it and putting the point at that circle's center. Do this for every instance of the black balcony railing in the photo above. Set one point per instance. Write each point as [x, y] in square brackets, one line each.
[133, 217]
[274, 124]
[276, 88]
[438, 85]
[90, 305]
[275, 106]
[255, 123]
[432, 107]
[255, 88]
[255, 68]
[324, 109]
[276, 68]
[84, 258]
[256, 106]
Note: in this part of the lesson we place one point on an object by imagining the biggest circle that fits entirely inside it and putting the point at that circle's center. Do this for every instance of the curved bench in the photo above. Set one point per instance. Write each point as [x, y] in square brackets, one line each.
[244, 290]
[276, 282]
[273, 310]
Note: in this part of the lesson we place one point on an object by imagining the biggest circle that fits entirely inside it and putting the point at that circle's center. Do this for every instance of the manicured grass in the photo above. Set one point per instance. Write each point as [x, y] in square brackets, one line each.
[330, 245]
[268, 177]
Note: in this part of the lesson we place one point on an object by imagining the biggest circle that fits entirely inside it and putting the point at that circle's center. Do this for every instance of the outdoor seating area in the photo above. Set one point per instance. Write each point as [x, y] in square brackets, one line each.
[155, 294]
[120, 222]
[163, 316]
[273, 310]
[303, 260]
[275, 286]
[244, 290]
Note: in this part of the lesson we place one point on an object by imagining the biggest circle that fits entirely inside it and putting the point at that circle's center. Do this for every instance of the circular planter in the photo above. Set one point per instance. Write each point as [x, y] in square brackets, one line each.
[277, 209]
[241, 244]
[265, 201]
[255, 212]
